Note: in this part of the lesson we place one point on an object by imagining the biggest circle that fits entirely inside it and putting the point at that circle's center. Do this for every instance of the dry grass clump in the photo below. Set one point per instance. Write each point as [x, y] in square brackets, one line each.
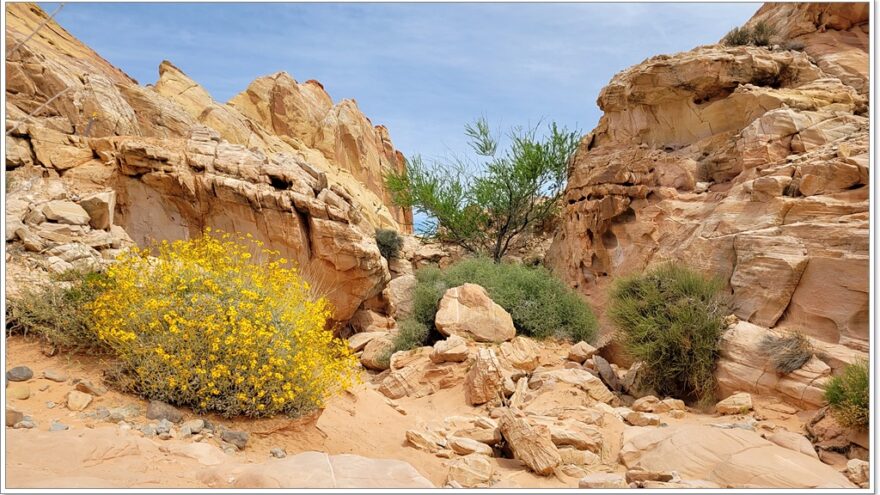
[761, 34]
[58, 314]
[788, 352]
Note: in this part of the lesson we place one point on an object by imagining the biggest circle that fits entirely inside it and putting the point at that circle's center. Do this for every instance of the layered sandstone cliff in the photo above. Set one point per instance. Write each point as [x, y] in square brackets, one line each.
[748, 163]
[280, 161]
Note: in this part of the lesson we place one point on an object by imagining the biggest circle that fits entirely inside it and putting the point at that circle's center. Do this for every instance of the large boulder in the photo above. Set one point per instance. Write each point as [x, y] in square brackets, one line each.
[468, 311]
[730, 457]
[484, 379]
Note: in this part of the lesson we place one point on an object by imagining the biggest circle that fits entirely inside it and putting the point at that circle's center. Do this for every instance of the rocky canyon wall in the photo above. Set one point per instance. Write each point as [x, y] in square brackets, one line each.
[746, 162]
[280, 161]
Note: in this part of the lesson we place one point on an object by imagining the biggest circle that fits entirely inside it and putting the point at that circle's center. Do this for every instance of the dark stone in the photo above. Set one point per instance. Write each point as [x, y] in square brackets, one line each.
[160, 410]
[19, 374]
[237, 438]
[606, 373]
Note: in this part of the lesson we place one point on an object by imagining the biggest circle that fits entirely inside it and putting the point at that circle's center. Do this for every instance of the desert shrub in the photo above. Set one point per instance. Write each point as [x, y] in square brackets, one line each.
[788, 352]
[737, 36]
[671, 319]
[848, 397]
[762, 34]
[411, 334]
[206, 325]
[389, 242]
[540, 304]
[58, 312]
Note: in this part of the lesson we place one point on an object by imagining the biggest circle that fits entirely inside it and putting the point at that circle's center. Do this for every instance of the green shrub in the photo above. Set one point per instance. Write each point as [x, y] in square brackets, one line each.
[671, 319]
[540, 304]
[787, 353]
[58, 312]
[411, 334]
[737, 36]
[762, 34]
[848, 397]
[389, 242]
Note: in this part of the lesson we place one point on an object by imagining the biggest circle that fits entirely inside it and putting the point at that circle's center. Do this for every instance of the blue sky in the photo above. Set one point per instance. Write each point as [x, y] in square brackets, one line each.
[423, 70]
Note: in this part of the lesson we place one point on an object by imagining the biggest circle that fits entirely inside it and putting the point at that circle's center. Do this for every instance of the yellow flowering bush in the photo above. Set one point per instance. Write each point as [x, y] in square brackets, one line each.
[204, 323]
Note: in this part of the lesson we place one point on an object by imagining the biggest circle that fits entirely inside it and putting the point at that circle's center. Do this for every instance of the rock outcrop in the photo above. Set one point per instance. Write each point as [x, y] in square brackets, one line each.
[748, 163]
[730, 457]
[104, 162]
[742, 366]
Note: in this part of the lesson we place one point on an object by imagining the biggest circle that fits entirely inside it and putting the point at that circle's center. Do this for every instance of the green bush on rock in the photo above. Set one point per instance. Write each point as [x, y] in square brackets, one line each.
[671, 319]
[540, 304]
[848, 397]
[389, 242]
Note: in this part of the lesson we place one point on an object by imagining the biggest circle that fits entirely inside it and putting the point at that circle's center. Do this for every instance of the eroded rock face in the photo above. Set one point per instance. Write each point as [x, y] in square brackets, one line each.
[747, 163]
[743, 367]
[108, 162]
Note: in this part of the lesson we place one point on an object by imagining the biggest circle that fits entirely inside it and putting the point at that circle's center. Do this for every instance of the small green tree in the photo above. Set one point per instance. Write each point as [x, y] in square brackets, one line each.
[483, 206]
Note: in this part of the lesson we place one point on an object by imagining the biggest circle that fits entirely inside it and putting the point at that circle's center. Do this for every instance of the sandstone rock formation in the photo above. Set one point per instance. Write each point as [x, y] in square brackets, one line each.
[743, 367]
[747, 163]
[728, 457]
[280, 161]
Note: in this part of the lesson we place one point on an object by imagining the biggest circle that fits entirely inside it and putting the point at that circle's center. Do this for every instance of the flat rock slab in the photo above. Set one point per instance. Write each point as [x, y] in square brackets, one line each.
[318, 470]
[106, 457]
[730, 457]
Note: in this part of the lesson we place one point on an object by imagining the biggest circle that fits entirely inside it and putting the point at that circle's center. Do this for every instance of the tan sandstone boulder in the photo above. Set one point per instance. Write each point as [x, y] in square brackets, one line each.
[530, 444]
[469, 312]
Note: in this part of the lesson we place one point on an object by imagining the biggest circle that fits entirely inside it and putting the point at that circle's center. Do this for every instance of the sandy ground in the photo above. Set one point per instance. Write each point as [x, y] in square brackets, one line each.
[361, 421]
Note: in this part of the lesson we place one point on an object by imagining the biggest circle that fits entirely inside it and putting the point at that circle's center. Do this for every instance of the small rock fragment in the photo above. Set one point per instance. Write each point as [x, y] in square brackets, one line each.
[580, 352]
[18, 391]
[470, 471]
[89, 388]
[160, 410]
[739, 403]
[19, 374]
[13, 417]
[603, 480]
[235, 437]
[78, 401]
[58, 426]
[465, 446]
[637, 418]
[453, 349]
[55, 375]
[858, 471]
